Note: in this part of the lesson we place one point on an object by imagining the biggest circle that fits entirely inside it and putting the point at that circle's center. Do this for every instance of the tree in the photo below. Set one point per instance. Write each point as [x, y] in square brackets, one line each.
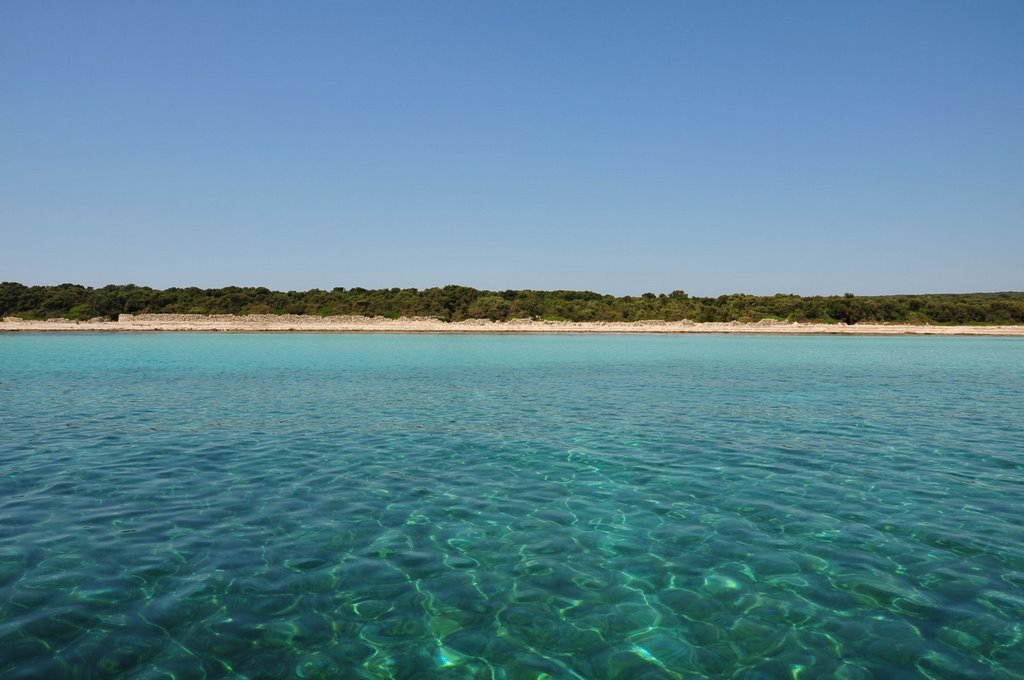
[493, 307]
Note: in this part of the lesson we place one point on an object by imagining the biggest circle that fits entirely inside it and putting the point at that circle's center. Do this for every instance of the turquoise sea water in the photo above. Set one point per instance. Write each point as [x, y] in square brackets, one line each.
[386, 506]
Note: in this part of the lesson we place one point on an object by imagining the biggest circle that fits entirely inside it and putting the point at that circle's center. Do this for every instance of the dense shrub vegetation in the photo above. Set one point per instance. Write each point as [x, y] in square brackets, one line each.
[455, 303]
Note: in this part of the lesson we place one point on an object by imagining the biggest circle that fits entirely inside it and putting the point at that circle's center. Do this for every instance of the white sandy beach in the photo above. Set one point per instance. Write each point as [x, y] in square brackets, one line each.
[362, 324]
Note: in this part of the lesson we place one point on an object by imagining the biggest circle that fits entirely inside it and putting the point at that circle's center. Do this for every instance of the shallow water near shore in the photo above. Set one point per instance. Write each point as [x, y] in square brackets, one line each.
[389, 506]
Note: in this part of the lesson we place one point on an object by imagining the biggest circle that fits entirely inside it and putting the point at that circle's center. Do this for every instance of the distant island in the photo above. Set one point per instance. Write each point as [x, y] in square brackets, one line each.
[460, 303]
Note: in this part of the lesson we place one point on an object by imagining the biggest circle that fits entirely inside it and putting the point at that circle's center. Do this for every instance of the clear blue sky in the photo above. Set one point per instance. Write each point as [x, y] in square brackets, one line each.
[713, 147]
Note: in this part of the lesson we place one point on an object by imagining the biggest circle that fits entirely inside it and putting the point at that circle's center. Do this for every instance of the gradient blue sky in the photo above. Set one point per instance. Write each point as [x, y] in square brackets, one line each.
[713, 147]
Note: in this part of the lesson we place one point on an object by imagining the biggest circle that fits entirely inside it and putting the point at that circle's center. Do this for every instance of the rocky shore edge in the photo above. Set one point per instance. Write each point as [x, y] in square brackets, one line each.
[291, 323]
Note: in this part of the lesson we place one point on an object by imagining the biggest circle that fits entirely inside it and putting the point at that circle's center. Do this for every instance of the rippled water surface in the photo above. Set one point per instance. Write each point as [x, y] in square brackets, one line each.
[382, 506]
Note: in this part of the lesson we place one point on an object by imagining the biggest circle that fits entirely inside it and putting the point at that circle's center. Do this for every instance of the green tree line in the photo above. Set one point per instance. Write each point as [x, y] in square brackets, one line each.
[456, 303]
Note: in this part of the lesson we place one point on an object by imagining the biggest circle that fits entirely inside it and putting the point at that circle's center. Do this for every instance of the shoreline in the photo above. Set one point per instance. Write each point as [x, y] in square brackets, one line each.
[270, 323]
